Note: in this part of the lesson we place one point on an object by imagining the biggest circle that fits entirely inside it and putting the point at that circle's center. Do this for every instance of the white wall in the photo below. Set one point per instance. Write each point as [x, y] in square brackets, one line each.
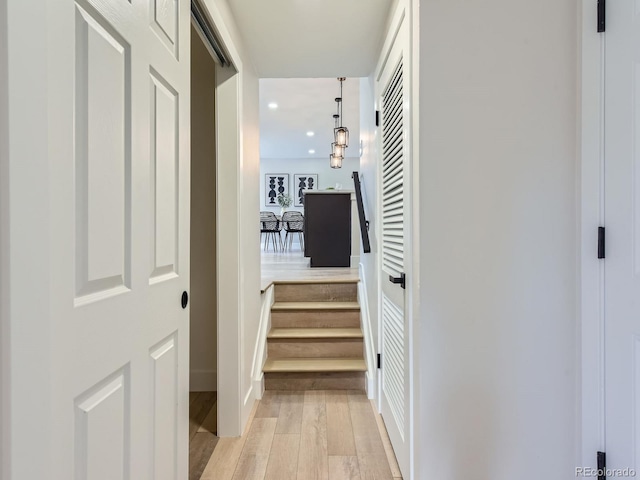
[4, 246]
[368, 169]
[203, 288]
[498, 90]
[327, 176]
[250, 242]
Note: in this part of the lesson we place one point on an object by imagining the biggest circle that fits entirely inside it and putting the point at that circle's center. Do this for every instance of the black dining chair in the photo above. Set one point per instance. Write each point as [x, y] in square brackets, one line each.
[293, 222]
[270, 227]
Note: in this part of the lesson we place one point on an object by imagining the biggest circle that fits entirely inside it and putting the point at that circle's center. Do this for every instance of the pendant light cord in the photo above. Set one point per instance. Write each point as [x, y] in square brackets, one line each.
[341, 102]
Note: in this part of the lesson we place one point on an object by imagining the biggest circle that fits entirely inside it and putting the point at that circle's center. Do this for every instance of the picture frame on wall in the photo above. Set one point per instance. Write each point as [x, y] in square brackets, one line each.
[274, 185]
[302, 182]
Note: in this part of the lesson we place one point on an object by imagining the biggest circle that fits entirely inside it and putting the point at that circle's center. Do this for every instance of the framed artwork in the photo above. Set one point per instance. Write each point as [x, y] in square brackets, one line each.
[275, 184]
[302, 182]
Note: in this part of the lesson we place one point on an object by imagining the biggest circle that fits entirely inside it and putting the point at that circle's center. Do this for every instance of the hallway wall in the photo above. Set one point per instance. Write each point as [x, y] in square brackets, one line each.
[327, 176]
[4, 245]
[250, 242]
[203, 334]
[368, 169]
[498, 163]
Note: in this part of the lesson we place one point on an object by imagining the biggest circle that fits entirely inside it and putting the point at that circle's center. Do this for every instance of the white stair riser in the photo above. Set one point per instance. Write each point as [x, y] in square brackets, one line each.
[315, 381]
[329, 348]
[316, 319]
[316, 292]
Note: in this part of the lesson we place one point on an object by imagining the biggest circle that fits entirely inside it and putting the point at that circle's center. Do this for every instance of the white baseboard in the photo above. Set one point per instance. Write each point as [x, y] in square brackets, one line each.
[371, 378]
[370, 385]
[203, 381]
[258, 386]
[247, 406]
[248, 398]
[260, 351]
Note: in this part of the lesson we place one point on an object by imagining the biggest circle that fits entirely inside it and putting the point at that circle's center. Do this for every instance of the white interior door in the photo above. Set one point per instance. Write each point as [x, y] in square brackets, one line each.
[392, 90]
[622, 207]
[118, 91]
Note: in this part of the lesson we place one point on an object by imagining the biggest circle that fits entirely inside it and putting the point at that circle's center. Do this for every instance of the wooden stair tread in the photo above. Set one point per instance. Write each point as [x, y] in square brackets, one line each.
[314, 365]
[305, 333]
[284, 306]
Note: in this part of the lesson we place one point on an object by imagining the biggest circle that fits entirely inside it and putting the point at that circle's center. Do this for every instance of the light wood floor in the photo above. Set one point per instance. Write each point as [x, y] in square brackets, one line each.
[292, 265]
[307, 435]
[202, 431]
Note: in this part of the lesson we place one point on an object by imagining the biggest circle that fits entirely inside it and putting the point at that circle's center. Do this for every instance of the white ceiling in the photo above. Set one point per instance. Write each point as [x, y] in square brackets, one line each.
[298, 48]
[306, 104]
[312, 38]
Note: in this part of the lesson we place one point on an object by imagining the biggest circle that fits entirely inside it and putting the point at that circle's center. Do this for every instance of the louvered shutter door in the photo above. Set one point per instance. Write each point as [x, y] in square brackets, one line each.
[394, 353]
[393, 94]
[392, 176]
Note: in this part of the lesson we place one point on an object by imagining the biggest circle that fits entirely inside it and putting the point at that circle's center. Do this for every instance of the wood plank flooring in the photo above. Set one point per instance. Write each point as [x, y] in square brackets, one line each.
[306, 435]
[292, 265]
[202, 431]
[294, 435]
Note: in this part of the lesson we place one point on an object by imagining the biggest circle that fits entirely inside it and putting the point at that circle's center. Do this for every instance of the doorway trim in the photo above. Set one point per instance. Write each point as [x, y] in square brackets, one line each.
[229, 124]
[24, 296]
[404, 15]
[4, 245]
[590, 191]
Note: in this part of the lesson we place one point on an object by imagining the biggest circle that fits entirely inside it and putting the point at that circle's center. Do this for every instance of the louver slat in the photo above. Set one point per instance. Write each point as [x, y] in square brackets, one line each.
[392, 176]
[393, 358]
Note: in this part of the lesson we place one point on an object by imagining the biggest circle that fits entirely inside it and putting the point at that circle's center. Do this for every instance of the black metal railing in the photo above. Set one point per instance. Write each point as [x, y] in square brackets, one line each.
[364, 223]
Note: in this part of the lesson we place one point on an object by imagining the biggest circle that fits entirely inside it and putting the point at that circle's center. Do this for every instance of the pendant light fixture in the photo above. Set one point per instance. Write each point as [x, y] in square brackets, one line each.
[337, 152]
[340, 133]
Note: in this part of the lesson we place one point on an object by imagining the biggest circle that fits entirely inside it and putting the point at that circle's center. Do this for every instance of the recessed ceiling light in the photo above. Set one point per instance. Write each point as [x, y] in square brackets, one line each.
[312, 151]
[310, 134]
[273, 105]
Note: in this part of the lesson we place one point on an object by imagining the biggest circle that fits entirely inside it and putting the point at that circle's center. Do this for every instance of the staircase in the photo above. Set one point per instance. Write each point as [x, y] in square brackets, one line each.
[315, 341]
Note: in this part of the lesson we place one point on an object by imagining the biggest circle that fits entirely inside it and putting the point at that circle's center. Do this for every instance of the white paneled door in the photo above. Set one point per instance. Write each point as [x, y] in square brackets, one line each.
[392, 93]
[622, 215]
[118, 89]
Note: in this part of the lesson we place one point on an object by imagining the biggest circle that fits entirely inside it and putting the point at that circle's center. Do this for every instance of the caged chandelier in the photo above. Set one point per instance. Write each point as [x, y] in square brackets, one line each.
[340, 133]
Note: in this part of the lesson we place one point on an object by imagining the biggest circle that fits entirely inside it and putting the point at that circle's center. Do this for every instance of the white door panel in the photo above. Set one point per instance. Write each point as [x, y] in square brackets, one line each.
[164, 362]
[103, 412]
[622, 214]
[164, 176]
[164, 21]
[102, 161]
[394, 207]
[119, 124]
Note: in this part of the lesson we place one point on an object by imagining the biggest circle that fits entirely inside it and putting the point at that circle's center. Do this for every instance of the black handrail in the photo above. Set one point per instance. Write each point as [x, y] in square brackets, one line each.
[364, 224]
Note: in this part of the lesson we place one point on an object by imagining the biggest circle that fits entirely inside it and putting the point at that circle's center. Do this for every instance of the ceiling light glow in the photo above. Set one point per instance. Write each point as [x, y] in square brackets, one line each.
[312, 151]
[310, 134]
[273, 105]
